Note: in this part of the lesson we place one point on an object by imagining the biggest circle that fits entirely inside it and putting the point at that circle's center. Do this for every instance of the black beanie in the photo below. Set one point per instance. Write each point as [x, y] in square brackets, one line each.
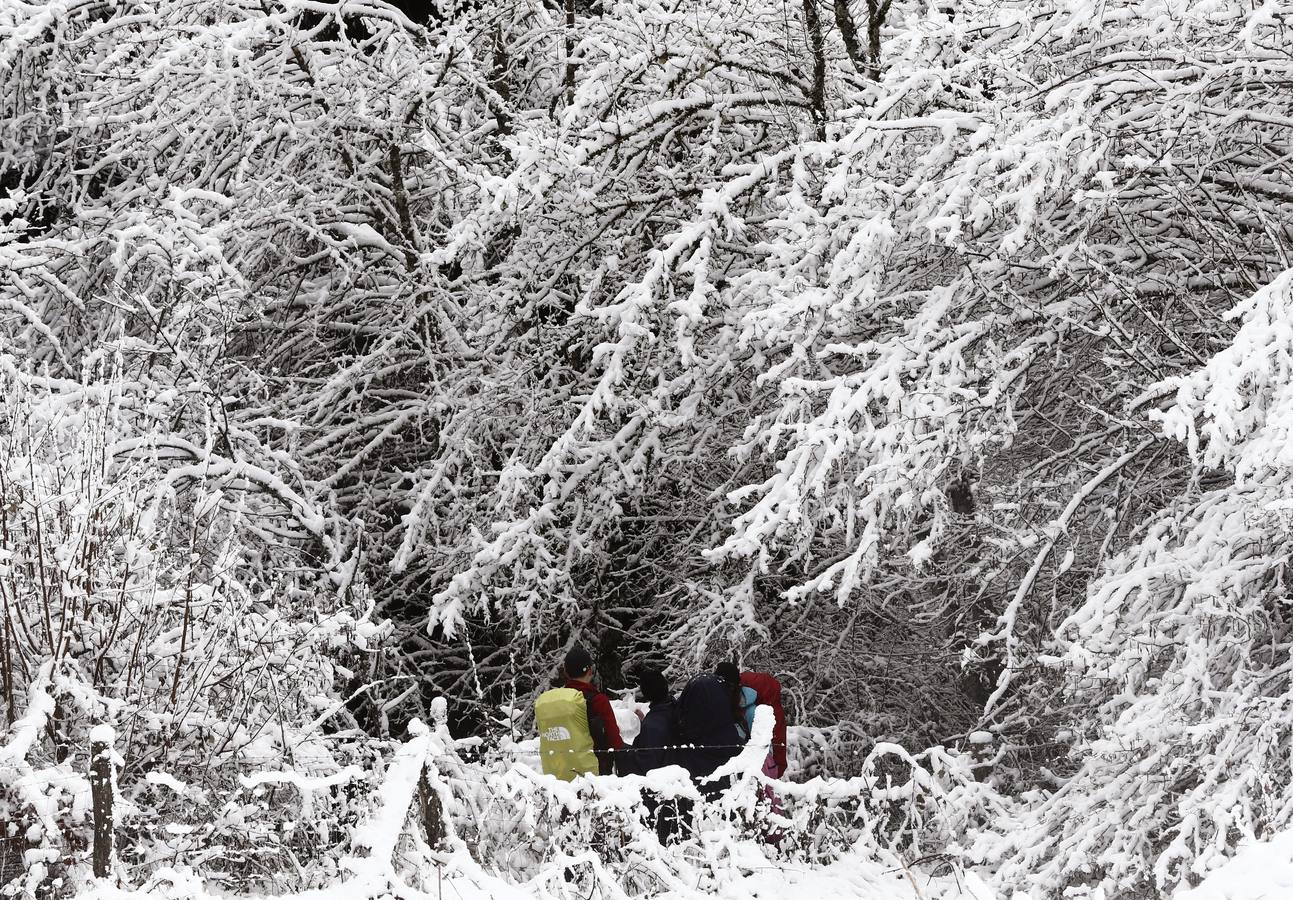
[578, 661]
[727, 671]
[654, 686]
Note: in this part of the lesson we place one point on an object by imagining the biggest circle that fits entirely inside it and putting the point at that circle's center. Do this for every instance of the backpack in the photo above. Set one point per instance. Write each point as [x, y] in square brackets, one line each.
[705, 719]
[565, 740]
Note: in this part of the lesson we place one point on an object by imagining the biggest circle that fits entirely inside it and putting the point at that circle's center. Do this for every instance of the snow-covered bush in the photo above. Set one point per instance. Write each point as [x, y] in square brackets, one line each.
[139, 592]
[598, 832]
[1178, 662]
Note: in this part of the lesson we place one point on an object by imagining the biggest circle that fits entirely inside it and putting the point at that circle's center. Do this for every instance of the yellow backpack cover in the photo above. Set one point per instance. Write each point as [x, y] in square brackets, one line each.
[565, 741]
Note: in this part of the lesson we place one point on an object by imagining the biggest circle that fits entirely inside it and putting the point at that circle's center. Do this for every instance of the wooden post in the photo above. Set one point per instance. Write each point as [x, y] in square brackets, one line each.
[101, 791]
[432, 812]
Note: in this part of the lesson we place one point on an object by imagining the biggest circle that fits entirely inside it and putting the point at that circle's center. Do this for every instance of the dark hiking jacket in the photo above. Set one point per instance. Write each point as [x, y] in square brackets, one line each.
[653, 748]
[707, 721]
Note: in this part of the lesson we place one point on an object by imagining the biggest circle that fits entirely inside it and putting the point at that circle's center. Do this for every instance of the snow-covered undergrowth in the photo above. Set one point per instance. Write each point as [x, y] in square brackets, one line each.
[450, 818]
[135, 595]
[1257, 871]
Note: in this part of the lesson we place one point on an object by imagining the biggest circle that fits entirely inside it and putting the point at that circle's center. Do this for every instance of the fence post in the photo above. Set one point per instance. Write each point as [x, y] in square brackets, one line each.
[432, 812]
[101, 791]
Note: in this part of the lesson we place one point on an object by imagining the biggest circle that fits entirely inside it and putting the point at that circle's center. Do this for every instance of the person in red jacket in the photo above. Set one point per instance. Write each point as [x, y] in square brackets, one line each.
[767, 692]
[578, 666]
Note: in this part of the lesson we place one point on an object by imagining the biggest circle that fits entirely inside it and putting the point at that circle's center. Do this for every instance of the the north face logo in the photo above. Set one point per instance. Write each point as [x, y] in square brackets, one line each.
[555, 733]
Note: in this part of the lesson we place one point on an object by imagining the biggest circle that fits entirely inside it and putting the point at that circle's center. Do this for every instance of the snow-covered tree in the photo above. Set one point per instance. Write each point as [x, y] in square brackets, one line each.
[923, 351]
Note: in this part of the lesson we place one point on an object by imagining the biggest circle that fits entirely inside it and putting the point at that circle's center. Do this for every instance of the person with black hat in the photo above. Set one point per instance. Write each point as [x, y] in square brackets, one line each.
[759, 689]
[577, 727]
[711, 729]
[653, 747]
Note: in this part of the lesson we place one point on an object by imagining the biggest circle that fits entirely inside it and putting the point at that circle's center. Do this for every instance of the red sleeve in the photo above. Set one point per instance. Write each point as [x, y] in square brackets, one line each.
[601, 707]
[767, 691]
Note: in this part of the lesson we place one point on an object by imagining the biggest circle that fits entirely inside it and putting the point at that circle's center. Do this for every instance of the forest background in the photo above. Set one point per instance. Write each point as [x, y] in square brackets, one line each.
[933, 356]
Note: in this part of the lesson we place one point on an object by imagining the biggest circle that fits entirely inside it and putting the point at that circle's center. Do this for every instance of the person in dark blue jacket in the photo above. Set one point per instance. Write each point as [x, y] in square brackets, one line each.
[653, 747]
[711, 723]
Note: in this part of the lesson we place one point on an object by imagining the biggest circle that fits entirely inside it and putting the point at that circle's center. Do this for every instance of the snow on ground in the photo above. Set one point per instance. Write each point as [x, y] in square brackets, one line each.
[854, 877]
[1261, 871]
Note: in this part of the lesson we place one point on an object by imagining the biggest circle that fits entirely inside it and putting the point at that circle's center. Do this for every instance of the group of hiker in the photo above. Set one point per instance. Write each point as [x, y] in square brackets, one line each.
[703, 727]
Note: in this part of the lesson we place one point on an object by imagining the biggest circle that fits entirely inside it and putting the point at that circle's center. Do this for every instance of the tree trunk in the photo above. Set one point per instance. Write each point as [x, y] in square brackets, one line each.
[876, 13]
[432, 813]
[849, 32]
[498, 80]
[101, 805]
[817, 46]
[570, 52]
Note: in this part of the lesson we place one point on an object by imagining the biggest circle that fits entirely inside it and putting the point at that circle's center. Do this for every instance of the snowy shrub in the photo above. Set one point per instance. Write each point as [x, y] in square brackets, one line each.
[139, 592]
[1181, 651]
[598, 833]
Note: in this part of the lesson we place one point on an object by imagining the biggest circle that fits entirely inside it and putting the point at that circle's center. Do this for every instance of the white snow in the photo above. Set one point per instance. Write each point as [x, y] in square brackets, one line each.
[1257, 871]
[163, 780]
